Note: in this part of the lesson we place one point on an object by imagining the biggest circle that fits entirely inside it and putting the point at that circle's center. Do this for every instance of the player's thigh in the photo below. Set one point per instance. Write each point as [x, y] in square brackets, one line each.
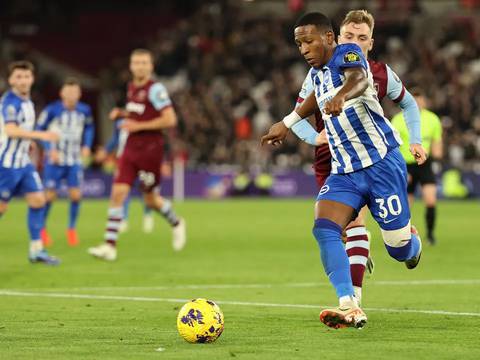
[339, 200]
[3, 207]
[75, 193]
[31, 185]
[360, 219]
[35, 199]
[388, 197]
[51, 194]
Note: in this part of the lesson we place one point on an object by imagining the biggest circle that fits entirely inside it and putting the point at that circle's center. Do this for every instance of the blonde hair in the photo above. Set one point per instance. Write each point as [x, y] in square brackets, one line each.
[359, 17]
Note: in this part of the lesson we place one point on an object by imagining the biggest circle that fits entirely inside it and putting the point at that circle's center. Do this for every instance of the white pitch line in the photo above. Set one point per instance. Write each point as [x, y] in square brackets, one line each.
[262, 286]
[221, 302]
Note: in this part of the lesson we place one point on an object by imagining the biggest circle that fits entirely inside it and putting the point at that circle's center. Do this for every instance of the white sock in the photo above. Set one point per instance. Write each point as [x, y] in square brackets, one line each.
[36, 246]
[347, 301]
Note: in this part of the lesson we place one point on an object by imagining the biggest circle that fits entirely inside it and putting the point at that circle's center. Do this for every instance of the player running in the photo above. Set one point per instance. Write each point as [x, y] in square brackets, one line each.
[367, 167]
[73, 121]
[17, 174]
[357, 27]
[431, 129]
[148, 111]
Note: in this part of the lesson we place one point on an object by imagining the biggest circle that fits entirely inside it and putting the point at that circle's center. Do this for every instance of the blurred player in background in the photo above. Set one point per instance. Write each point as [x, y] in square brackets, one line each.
[73, 120]
[357, 28]
[431, 129]
[367, 167]
[148, 111]
[17, 174]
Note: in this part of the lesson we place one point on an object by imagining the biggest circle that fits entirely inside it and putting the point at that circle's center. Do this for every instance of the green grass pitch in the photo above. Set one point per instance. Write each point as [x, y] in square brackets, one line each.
[258, 260]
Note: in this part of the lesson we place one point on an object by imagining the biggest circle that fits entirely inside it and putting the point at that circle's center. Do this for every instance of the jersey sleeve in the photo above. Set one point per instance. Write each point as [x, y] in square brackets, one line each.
[45, 118]
[9, 113]
[350, 56]
[395, 88]
[158, 96]
[307, 88]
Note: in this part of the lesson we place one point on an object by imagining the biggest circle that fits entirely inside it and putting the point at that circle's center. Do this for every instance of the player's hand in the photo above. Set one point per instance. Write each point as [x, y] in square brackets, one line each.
[131, 125]
[49, 136]
[418, 153]
[276, 134]
[116, 113]
[321, 138]
[86, 152]
[334, 107]
[54, 156]
[100, 155]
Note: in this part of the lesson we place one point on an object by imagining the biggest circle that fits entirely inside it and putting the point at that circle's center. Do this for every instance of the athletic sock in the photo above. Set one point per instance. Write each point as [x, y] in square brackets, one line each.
[358, 249]
[407, 251]
[430, 214]
[126, 207]
[334, 258]
[74, 209]
[167, 212]
[35, 221]
[115, 216]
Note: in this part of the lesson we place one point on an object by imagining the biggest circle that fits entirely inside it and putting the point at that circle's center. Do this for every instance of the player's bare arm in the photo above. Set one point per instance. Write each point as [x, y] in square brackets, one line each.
[168, 119]
[278, 131]
[15, 131]
[356, 83]
[117, 113]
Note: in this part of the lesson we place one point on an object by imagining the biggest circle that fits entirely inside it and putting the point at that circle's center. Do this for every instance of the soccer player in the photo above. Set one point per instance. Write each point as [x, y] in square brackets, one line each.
[367, 167]
[357, 27]
[73, 120]
[431, 129]
[17, 174]
[148, 111]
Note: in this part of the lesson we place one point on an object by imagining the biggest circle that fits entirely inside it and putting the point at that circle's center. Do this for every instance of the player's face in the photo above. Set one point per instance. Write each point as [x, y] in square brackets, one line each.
[359, 34]
[70, 95]
[141, 66]
[313, 44]
[21, 81]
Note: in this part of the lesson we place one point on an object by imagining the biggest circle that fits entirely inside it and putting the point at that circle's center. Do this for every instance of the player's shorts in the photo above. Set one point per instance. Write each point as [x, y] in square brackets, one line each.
[54, 174]
[382, 186]
[422, 174]
[144, 164]
[19, 181]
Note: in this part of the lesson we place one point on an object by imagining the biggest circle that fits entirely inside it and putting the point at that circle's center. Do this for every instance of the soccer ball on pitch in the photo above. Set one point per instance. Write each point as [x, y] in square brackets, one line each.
[200, 321]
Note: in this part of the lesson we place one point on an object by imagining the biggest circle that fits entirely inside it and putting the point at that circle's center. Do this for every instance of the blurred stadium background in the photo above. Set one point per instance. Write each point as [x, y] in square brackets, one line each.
[232, 69]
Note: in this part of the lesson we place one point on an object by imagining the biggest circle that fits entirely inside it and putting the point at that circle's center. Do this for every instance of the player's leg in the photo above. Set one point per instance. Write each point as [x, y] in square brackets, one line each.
[52, 175]
[336, 205]
[164, 207]
[148, 220]
[126, 213]
[358, 251]
[388, 203]
[429, 195]
[31, 186]
[126, 174]
[74, 181]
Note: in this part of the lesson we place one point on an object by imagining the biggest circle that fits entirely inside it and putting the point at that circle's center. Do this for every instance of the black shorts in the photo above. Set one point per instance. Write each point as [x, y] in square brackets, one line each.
[422, 174]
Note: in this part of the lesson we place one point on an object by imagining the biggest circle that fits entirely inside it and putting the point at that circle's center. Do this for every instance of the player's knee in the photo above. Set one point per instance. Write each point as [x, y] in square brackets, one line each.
[150, 200]
[326, 230]
[36, 200]
[396, 238]
[51, 195]
[75, 195]
[3, 207]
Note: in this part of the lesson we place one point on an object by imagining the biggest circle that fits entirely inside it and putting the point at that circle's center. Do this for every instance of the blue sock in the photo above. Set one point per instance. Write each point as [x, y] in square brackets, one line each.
[126, 206]
[74, 209]
[46, 211]
[35, 222]
[409, 250]
[333, 255]
[147, 210]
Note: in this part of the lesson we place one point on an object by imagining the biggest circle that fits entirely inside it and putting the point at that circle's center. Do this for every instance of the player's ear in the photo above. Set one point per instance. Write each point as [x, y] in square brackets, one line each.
[371, 44]
[330, 36]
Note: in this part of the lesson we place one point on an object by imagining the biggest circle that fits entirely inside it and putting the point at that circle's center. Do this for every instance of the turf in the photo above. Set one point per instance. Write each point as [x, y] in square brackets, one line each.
[264, 245]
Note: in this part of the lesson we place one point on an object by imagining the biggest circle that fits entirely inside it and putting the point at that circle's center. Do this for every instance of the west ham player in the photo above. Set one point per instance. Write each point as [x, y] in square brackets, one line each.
[357, 27]
[148, 111]
[367, 167]
[73, 120]
[17, 174]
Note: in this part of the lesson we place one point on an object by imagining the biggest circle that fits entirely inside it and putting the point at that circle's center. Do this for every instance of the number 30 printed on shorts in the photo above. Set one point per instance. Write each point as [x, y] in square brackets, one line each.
[391, 205]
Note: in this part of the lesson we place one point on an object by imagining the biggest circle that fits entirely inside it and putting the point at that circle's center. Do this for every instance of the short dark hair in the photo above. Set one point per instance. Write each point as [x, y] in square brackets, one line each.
[71, 81]
[317, 19]
[142, 52]
[22, 65]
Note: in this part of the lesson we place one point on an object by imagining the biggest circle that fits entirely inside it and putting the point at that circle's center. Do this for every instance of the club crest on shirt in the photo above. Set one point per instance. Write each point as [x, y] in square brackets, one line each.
[351, 57]
[141, 95]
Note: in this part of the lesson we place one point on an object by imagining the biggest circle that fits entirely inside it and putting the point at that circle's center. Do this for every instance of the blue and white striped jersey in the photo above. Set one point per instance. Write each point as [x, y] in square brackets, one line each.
[75, 128]
[20, 111]
[361, 135]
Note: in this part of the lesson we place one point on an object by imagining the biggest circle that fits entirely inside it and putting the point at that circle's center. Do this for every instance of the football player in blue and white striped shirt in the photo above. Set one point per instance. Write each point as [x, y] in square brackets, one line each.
[17, 174]
[367, 167]
[73, 120]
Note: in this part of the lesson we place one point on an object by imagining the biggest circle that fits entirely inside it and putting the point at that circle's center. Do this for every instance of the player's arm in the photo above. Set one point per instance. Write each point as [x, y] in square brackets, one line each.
[356, 83]
[88, 134]
[397, 92]
[13, 130]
